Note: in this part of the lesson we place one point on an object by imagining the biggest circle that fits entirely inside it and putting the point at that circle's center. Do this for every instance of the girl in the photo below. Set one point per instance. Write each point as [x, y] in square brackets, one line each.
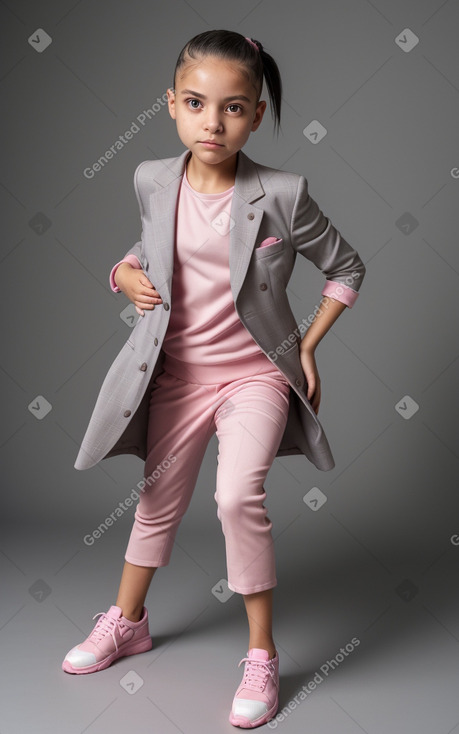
[216, 348]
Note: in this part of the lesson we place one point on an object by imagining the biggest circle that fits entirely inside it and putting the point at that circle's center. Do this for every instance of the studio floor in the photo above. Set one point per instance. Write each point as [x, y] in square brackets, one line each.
[362, 648]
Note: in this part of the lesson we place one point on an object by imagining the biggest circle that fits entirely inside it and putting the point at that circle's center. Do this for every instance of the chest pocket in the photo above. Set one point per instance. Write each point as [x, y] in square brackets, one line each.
[267, 250]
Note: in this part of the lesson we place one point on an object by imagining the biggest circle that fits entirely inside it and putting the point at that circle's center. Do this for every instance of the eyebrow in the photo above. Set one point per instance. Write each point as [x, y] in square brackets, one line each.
[226, 99]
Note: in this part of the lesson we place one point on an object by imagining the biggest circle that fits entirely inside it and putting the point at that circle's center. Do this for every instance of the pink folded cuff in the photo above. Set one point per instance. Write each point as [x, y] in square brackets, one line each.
[340, 292]
[132, 260]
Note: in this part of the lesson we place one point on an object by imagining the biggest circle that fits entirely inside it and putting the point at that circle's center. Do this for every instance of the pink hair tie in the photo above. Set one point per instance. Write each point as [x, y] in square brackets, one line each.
[250, 41]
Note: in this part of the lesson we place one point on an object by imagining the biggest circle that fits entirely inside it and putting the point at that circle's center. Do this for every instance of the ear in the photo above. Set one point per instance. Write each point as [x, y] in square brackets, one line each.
[171, 102]
[260, 111]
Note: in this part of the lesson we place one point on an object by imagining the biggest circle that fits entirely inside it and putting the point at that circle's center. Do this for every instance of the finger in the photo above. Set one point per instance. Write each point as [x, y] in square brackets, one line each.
[316, 401]
[150, 294]
[149, 288]
[145, 298]
[145, 281]
[139, 311]
[144, 304]
[311, 387]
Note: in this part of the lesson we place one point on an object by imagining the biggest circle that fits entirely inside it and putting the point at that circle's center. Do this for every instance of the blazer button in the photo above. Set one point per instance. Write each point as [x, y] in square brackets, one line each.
[166, 307]
[263, 286]
[127, 413]
[143, 366]
[298, 381]
[250, 215]
[155, 342]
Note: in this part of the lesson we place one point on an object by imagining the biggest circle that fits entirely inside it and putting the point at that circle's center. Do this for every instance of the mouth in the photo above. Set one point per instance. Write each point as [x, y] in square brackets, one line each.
[210, 144]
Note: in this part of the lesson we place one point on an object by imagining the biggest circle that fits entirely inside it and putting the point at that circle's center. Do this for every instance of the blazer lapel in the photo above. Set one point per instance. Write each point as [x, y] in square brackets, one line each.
[244, 223]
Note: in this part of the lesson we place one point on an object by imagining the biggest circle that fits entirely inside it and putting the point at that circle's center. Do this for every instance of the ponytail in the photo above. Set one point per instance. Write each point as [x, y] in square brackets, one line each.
[273, 81]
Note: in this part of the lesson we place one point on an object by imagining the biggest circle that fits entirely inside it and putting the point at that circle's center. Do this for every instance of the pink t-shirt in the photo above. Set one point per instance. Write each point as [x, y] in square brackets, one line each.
[204, 326]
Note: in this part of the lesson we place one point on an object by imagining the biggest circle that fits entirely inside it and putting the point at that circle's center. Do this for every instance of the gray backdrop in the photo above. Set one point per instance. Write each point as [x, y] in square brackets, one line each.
[377, 562]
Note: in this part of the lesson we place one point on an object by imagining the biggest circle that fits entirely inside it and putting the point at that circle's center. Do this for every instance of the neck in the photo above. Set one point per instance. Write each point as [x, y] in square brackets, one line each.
[211, 178]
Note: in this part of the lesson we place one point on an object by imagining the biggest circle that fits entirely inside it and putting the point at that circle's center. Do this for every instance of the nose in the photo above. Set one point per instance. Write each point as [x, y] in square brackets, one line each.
[212, 121]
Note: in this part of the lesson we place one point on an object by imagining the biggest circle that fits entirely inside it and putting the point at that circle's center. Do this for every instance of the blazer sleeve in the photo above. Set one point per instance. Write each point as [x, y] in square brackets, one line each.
[314, 236]
[136, 255]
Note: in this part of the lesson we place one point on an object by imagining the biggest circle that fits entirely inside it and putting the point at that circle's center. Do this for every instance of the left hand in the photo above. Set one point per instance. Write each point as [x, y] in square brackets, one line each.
[308, 363]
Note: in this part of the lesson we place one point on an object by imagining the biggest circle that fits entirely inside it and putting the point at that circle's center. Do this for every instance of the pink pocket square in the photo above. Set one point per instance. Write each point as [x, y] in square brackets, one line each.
[269, 241]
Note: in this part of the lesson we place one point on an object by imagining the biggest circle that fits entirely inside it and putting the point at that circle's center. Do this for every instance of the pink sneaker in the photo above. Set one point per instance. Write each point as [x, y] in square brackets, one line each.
[113, 637]
[256, 700]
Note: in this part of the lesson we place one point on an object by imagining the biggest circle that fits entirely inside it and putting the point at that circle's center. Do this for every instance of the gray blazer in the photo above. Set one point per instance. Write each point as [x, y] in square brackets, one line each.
[266, 203]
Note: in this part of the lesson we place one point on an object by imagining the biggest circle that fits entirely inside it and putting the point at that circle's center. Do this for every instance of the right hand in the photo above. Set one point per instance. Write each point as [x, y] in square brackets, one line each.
[137, 287]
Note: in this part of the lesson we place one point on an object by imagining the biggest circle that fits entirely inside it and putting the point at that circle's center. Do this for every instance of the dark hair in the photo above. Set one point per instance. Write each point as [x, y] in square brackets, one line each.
[234, 47]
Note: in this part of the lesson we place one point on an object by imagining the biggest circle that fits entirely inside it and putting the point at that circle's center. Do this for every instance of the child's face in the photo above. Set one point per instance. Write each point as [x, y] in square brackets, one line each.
[219, 113]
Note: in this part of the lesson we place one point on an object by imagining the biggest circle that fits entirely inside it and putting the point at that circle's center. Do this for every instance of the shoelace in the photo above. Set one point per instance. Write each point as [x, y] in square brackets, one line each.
[256, 673]
[105, 625]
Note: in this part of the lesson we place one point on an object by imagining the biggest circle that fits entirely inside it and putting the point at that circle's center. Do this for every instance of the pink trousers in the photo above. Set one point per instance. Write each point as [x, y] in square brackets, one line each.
[246, 404]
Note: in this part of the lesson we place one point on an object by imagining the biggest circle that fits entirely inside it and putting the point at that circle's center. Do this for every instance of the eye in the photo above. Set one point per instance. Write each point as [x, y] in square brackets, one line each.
[235, 105]
[193, 100]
